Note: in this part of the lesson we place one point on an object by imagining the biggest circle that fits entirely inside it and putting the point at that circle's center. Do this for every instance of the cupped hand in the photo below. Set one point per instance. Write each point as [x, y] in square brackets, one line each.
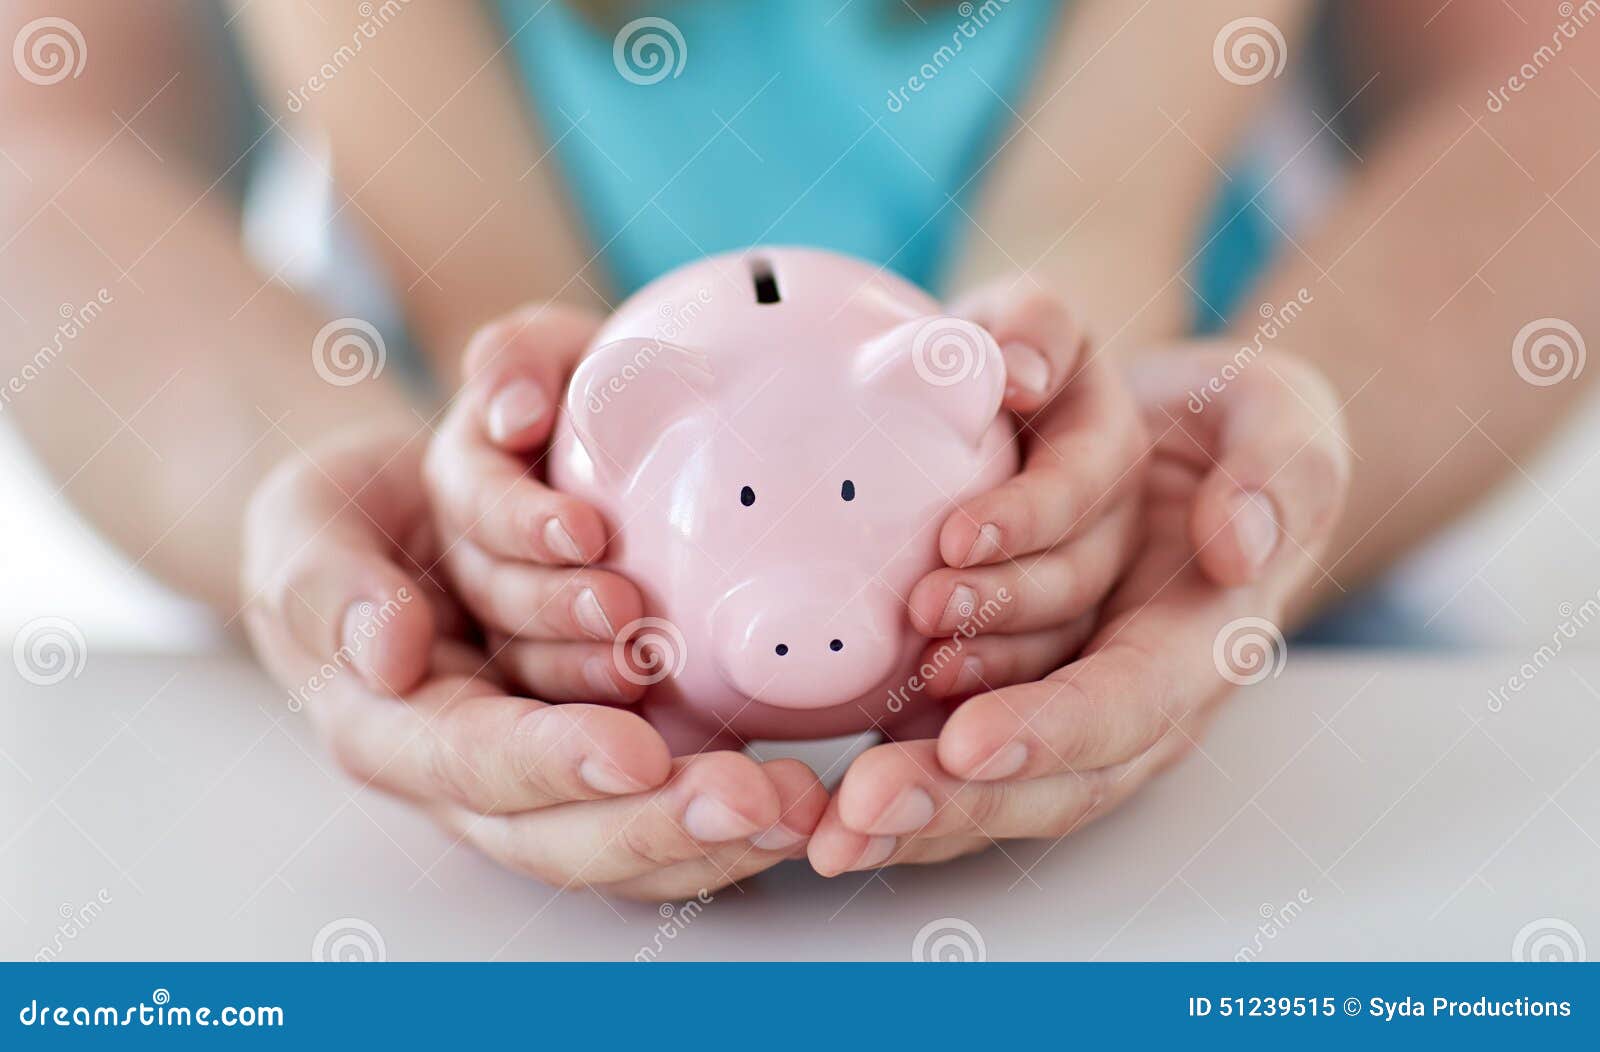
[346, 617]
[514, 550]
[1246, 481]
[1028, 562]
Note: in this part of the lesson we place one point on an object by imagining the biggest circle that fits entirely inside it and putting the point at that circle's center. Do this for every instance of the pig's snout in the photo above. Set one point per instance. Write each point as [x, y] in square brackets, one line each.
[808, 640]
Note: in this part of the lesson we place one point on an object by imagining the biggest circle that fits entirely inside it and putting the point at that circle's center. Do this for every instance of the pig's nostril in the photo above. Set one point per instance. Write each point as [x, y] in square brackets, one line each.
[836, 646]
[781, 649]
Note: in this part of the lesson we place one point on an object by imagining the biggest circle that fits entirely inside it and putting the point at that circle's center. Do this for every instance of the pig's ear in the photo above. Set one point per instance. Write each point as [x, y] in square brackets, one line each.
[625, 394]
[951, 366]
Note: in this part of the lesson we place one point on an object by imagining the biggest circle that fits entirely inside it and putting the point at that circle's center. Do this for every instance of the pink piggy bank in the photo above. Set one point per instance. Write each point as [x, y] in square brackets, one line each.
[776, 436]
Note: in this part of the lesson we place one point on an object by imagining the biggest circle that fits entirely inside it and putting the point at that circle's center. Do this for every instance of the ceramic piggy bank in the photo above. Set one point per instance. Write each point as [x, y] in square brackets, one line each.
[775, 438]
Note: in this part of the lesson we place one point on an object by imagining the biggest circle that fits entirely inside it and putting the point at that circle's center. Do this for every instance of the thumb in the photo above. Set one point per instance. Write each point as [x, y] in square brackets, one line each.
[1280, 474]
[348, 606]
[516, 368]
[319, 558]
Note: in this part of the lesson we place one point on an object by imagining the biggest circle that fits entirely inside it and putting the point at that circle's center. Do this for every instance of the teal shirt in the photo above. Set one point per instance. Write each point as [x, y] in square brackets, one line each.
[857, 126]
[847, 124]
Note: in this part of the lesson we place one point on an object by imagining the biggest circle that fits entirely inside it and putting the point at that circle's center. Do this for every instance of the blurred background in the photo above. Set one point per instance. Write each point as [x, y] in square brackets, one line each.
[1497, 579]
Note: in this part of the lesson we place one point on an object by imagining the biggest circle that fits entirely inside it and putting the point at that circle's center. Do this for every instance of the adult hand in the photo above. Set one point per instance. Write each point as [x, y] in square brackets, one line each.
[1245, 484]
[345, 616]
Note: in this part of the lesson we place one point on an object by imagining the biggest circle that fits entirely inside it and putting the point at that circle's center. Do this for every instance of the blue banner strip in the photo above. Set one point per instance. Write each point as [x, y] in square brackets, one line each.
[814, 1007]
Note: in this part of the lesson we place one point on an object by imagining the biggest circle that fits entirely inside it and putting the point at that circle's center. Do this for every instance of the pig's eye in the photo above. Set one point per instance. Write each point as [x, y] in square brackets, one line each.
[848, 490]
[747, 496]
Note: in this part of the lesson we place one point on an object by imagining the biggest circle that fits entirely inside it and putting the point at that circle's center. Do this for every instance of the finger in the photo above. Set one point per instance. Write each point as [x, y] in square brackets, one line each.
[496, 501]
[515, 370]
[842, 844]
[1269, 444]
[802, 800]
[320, 564]
[535, 602]
[691, 880]
[891, 851]
[567, 671]
[959, 666]
[1038, 335]
[455, 658]
[1103, 709]
[835, 849]
[923, 851]
[712, 799]
[1028, 594]
[1084, 453]
[901, 790]
[349, 606]
[1282, 470]
[461, 742]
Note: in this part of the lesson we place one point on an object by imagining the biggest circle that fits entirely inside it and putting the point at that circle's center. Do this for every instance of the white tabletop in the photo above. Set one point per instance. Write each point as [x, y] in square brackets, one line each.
[1360, 806]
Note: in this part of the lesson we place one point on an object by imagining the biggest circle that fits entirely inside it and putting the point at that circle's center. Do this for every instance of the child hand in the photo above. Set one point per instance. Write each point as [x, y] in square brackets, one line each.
[1028, 562]
[1240, 502]
[515, 551]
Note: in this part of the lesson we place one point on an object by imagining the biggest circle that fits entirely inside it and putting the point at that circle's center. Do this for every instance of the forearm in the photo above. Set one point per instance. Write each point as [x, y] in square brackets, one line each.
[160, 406]
[1098, 198]
[1444, 247]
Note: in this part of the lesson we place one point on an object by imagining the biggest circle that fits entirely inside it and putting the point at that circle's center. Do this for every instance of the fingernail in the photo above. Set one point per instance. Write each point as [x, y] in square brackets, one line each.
[1256, 527]
[985, 546]
[355, 632]
[591, 617]
[515, 408]
[600, 776]
[1026, 369]
[911, 810]
[963, 601]
[775, 838]
[1005, 762]
[597, 673]
[970, 677]
[559, 541]
[877, 851]
[712, 821]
